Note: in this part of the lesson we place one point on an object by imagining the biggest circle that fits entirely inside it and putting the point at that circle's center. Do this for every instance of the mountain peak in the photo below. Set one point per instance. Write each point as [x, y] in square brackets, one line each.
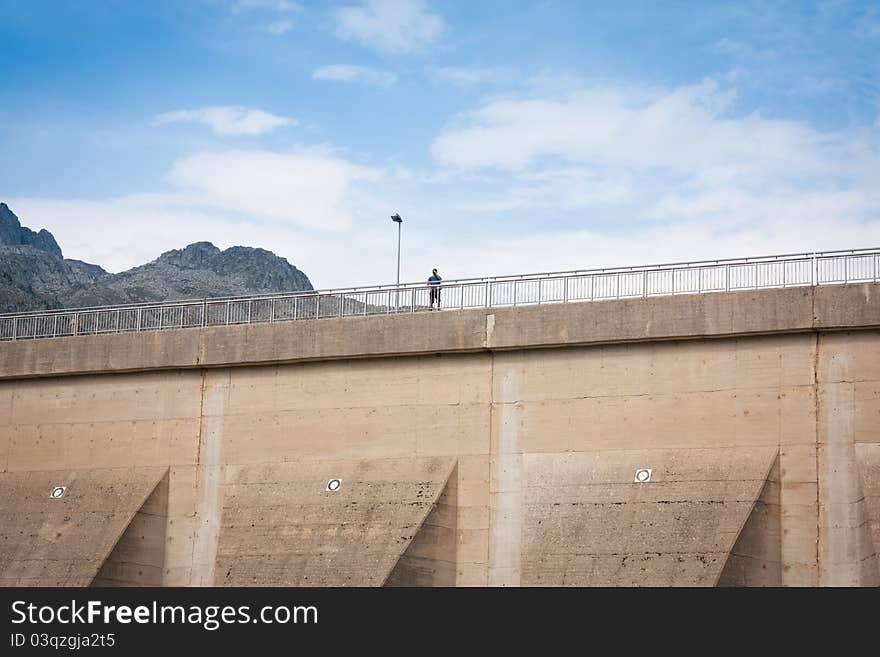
[194, 255]
[12, 233]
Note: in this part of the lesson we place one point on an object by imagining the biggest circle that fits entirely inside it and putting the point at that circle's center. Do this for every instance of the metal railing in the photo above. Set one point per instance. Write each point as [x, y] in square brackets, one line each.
[800, 269]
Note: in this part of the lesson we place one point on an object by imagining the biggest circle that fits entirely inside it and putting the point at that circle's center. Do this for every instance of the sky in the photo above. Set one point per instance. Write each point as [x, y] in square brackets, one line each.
[512, 137]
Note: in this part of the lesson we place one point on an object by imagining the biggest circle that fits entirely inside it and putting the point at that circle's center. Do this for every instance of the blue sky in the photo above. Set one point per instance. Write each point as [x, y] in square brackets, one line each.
[511, 136]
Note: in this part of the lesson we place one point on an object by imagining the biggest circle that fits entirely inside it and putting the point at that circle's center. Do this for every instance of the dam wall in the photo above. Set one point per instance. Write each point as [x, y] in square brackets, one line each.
[489, 447]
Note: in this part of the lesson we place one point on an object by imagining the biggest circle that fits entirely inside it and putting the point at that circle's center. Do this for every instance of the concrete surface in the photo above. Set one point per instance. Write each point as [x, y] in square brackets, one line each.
[788, 378]
[719, 314]
[756, 557]
[430, 558]
[138, 558]
[587, 522]
[868, 457]
[64, 541]
[281, 527]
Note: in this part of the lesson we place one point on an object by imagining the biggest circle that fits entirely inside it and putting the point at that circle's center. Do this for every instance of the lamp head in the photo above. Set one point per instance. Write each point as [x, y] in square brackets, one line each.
[396, 218]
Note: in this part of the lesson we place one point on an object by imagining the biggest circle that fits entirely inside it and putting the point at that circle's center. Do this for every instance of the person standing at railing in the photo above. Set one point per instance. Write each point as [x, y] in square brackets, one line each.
[434, 288]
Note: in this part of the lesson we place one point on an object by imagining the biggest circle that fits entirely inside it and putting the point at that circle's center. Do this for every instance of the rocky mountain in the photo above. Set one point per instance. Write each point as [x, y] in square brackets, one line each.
[34, 275]
[12, 233]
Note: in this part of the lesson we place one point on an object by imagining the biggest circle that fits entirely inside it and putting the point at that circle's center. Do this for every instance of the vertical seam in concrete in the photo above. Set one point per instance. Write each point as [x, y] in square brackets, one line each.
[8, 449]
[489, 537]
[192, 558]
[210, 491]
[816, 406]
[201, 417]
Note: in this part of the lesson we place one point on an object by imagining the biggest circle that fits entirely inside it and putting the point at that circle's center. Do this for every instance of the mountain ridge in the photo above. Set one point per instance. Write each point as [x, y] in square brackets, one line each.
[34, 275]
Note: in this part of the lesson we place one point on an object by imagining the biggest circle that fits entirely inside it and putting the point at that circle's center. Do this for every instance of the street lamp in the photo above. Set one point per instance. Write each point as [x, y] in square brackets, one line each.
[396, 219]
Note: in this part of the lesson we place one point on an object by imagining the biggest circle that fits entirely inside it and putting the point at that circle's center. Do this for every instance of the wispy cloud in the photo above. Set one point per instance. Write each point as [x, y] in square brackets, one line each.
[350, 73]
[742, 49]
[561, 189]
[280, 26]
[229, 120]
[470, 75]
[282, 10]
[392, 26]
[682, 131]
[310, 187]
[280, 6]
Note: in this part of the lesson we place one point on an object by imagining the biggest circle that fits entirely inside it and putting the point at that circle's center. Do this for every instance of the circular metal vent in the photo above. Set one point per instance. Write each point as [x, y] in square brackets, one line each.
[334, 485]
[643, 475]
[58, 492]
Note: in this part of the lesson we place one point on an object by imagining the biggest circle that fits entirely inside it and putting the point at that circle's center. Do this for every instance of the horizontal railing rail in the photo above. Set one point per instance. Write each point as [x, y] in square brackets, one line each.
[789, 270]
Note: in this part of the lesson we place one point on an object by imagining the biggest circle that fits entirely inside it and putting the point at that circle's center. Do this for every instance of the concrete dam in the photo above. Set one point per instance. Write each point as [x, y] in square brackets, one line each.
[708, 437]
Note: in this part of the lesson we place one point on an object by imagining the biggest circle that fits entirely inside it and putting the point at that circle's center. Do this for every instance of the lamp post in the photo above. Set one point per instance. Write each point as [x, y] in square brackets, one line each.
[396, 219]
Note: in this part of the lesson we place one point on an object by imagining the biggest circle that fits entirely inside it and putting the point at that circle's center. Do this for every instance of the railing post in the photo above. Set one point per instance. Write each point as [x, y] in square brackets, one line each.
[645, 283]
[318, 306]
[295, 304]
[515, 292]
[138, 321]
[227, 312]
[205, 312]
[55, 327]
[617, 286]
[14, 328]
[461, 289]
[565, 289]
[342, 305]
[272, 315]
[727, 277]
[181, 316]
[250, 302]
[117, 321]
[488, 295]
[412, 300]
[76, 323]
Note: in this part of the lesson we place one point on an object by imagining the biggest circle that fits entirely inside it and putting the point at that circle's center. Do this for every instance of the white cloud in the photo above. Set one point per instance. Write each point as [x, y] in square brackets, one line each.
[741, 49]
[349, 73]
[682, 132]
[229, 120]
[466, 75]
[562, 189]
[280, 6]
[280, 26]
[310, 187]
[393, 26]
